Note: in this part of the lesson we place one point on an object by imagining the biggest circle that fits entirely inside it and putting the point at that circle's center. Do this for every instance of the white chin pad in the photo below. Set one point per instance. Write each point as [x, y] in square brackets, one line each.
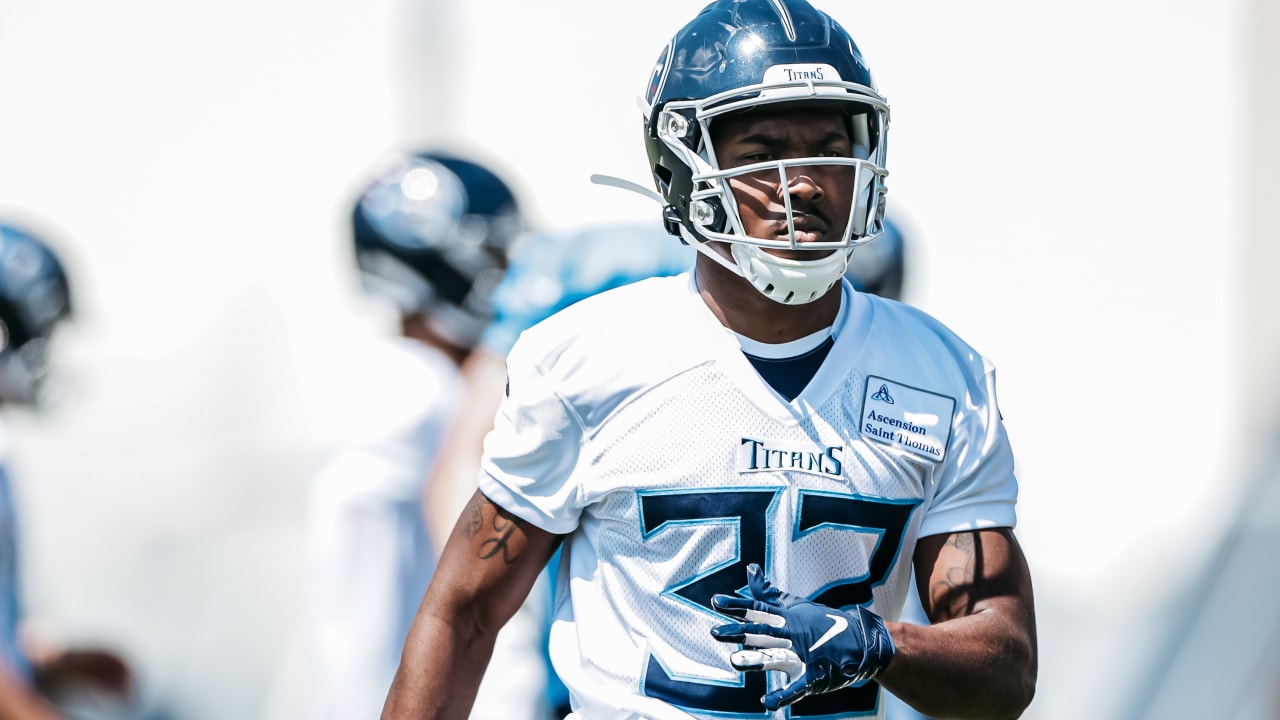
[786, 281]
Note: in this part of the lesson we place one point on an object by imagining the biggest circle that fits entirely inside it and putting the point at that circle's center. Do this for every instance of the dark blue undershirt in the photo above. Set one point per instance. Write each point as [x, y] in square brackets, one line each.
[788, 376]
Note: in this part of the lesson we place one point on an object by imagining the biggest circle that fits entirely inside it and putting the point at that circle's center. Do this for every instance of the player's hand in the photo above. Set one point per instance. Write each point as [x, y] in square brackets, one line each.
[819, 648]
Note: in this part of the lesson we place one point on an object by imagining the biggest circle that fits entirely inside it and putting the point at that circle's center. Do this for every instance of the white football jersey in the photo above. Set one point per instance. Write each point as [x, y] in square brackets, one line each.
[635, 424]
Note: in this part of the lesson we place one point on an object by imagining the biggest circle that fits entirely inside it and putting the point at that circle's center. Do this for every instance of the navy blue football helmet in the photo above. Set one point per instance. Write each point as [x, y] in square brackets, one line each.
[432, 233]
[743, 55]
[34, 299]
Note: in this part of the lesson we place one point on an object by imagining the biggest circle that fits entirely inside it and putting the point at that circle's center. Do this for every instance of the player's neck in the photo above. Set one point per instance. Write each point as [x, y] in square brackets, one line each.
[744, 310]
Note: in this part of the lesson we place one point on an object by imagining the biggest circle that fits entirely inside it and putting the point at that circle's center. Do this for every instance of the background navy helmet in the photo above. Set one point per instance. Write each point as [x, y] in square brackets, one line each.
[880, 267]
[432, 234]
[741, 56]
[34, 299]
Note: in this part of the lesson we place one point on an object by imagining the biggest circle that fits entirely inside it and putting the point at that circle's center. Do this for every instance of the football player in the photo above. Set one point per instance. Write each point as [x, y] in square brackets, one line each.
[38, 680]
[744, 462]
[431, 236]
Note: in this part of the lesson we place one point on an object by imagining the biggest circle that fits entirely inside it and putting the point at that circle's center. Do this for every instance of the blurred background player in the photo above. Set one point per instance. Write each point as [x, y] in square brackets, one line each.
[880, 267]
[431, 234]
[549, 272]
[39, 679]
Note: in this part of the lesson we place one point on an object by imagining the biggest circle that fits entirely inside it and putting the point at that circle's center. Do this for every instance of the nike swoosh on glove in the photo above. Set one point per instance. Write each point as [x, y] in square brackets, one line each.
[819, 648]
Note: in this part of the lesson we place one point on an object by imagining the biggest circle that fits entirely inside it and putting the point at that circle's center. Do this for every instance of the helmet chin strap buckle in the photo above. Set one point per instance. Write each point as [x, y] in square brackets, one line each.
[704, 213]
[671, 220]
[708, 214]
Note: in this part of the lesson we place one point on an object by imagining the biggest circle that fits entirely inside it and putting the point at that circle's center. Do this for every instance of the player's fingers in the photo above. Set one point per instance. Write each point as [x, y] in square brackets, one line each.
[754, 634]
[747, 660]
[757, 584]
[730, 633]
[760, 588]
[747, 609]
[732, 605]
[787, 695]
[775, 659]
[760, 631]
[764, 617]
[765, 641]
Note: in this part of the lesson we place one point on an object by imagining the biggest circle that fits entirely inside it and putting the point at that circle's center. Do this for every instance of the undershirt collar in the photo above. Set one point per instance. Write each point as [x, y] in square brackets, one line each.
[800, 346]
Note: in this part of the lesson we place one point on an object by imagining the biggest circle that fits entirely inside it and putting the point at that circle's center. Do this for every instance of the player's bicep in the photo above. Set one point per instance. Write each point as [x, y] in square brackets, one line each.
[489, 564]
[963, 573]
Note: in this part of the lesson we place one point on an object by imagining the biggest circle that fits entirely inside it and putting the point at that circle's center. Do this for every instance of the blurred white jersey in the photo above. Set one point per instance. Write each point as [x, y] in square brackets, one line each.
[634, 422]
[369, 555]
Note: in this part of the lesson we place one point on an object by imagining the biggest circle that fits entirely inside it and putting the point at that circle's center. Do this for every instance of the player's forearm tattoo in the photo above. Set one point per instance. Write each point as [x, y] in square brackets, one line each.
[501, 528]
[953, 594]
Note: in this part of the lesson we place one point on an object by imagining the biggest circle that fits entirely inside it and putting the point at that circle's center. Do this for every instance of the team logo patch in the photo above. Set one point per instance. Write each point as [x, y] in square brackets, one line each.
[784, 455]
[915, 420]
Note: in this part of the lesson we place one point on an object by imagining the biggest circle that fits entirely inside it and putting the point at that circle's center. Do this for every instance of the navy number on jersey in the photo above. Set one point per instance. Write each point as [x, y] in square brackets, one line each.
[749, 511]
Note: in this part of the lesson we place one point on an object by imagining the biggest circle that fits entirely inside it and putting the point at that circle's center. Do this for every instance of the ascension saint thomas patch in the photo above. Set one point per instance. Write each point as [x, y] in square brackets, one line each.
[915, 420]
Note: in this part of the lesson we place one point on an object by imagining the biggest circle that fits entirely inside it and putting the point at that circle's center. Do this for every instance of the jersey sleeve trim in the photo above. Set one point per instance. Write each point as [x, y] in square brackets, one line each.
[972, 516]
[517, 505]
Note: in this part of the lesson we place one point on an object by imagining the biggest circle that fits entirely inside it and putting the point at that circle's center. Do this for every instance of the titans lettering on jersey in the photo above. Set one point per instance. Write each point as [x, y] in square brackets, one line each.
[670, 465]
[773, 455]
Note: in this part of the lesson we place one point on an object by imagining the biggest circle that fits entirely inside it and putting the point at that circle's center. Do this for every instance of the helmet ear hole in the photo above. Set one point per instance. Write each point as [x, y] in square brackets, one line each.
[662, 174]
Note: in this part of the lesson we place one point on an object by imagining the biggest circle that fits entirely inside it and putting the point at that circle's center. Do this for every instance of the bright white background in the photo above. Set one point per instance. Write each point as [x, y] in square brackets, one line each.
[1067, 170]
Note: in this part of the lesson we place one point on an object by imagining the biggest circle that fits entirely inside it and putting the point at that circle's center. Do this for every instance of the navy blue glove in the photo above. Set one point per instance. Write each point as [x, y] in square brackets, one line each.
[819, 648]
